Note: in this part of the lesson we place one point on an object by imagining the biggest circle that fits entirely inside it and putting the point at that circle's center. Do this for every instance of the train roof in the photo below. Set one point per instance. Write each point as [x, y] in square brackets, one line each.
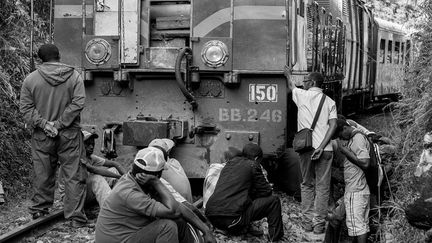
[390, 26]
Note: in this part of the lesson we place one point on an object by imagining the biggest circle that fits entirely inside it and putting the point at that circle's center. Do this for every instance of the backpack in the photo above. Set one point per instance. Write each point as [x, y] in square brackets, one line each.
[374, 173]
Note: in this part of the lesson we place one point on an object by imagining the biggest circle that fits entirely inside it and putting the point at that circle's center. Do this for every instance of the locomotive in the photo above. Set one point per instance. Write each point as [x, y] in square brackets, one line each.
[210, 74]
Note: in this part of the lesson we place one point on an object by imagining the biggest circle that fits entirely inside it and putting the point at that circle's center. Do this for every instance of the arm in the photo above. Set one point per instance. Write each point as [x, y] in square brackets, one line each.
[74, 108]
[111, 163]
[190, 217]
[332, 128]
[28, 109]
[100, 170]
[362, 163]
[169, 206]
[290, 83]
[261, 188]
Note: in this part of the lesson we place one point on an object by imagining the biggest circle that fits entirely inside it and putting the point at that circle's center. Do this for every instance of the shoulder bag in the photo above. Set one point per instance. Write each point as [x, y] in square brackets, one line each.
[303, 139]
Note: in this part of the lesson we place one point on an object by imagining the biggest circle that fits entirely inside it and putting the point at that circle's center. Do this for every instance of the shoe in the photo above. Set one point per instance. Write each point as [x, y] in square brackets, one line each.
[307, 226]
[40, 213]
[319, 229]
[79, 224]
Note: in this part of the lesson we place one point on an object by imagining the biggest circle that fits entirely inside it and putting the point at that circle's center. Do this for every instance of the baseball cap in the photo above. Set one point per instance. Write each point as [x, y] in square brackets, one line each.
[87, 135]
[159, 143]
[170, 143]
[150, 159]
[427, 138]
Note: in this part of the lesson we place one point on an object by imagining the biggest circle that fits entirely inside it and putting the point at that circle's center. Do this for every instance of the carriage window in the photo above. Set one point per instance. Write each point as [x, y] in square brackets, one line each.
[381, 57]
[396, 52]
[402, 52]
[389, 51]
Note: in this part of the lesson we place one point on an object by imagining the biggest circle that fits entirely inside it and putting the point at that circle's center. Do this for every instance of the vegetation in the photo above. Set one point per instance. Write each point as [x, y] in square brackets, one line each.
[15, 25]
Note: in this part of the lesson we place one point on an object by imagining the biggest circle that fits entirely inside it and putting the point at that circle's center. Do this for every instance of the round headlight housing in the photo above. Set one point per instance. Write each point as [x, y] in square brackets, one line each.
[214, 53]
[98, 51]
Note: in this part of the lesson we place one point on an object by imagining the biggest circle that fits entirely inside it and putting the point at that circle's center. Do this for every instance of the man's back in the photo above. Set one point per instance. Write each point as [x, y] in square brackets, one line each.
[355, 179]
[231, 195]
[307, 102]
[50, 90]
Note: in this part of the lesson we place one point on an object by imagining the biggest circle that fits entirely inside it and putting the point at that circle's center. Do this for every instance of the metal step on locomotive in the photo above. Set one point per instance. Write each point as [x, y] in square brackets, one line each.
[209, 74]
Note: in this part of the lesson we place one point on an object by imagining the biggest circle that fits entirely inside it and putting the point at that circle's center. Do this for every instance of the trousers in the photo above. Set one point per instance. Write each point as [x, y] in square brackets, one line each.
[315, 186]
[67, 148]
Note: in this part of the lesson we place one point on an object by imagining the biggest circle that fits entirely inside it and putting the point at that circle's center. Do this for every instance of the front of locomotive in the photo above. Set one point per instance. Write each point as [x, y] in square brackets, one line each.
[207, 74]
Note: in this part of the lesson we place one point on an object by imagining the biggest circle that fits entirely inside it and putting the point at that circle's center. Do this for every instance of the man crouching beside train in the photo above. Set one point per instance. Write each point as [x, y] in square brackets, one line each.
[141, 209]
[242, 195]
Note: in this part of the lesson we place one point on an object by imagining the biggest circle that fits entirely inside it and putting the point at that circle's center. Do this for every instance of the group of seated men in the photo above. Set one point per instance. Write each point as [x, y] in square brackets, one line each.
[153, 201]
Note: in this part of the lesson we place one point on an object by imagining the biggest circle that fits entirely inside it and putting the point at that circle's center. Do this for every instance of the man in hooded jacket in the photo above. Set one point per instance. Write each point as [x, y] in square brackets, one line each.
[51, 101]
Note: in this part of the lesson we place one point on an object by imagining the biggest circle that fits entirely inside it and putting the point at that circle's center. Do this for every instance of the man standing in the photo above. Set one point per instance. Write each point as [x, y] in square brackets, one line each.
[51, 101]
[357, 194]
[242, 195]
[141, 209]
[315, 165]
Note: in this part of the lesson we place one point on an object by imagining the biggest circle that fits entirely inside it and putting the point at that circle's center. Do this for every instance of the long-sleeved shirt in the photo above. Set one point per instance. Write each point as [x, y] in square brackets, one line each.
[54, 92]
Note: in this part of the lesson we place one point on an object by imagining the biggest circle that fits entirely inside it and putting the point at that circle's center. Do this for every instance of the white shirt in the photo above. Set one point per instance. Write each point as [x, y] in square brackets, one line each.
[307, 102]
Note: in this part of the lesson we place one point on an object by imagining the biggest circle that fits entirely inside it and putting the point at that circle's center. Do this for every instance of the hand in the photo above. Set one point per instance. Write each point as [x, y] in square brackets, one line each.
[209, 238]
[50, 130]
[287, 71]
[121, 170]
[317, 154]
[145, 179]
[428, 200]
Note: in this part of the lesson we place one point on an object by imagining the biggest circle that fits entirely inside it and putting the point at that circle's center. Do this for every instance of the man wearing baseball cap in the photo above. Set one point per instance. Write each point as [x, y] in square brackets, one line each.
[102, 173]
[141, 209]
[173, 172]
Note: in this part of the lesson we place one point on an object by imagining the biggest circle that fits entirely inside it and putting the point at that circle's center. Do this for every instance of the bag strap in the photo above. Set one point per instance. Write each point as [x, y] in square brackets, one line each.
[318, 112]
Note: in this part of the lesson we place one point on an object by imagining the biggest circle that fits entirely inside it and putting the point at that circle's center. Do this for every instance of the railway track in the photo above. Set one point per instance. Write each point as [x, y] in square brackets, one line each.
[42, 225]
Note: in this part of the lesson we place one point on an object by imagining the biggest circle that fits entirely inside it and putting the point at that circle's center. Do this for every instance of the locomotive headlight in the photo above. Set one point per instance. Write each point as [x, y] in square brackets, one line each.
[214, 53]
[98, 51]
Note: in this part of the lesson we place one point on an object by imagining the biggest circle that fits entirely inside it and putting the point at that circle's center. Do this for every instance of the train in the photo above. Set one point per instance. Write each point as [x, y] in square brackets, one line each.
[210, 74]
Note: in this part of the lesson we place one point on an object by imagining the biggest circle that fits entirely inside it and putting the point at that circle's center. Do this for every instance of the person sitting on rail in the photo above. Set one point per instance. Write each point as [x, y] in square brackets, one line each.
[102, 173]
[141, 209]
[173, 172]
[357, 194]
[242, 195]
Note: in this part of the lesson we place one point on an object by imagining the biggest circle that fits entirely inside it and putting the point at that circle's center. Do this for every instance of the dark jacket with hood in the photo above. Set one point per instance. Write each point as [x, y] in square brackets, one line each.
[54, 92]
[240, 181]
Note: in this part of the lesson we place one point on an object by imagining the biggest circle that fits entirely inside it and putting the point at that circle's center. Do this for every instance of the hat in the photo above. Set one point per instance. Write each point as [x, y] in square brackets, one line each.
[252, 150]
[150, 159]
[88, 135]
[159, 143]
[170, 143]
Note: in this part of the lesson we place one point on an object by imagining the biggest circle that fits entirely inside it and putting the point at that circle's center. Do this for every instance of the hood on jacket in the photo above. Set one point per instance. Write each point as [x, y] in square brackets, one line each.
[55, 73]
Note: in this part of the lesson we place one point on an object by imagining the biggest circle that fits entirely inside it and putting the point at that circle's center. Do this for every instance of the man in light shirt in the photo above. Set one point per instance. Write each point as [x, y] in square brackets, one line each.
[315, 165]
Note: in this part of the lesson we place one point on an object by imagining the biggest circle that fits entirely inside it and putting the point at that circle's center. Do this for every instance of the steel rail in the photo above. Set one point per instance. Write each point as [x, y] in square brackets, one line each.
[23, 229]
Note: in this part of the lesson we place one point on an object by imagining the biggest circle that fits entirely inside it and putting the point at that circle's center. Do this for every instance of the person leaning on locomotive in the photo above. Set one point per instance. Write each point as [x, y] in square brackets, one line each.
[315, 165]
[51, 101]
[140, 208]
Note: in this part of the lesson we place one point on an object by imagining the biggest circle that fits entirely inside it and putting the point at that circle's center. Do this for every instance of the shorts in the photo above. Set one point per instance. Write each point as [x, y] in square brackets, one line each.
[357, 213]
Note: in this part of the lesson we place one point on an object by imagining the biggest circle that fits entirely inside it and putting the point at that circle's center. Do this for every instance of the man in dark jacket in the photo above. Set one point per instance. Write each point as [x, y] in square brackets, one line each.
[243, 195]
[52, 98]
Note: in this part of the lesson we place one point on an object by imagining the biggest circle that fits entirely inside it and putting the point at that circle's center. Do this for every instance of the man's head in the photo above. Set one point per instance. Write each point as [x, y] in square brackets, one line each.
[313, 80]
[89, 141]
[253, 151]
[343, 130]
[149, 161]
[49, 53]
[164, 143]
